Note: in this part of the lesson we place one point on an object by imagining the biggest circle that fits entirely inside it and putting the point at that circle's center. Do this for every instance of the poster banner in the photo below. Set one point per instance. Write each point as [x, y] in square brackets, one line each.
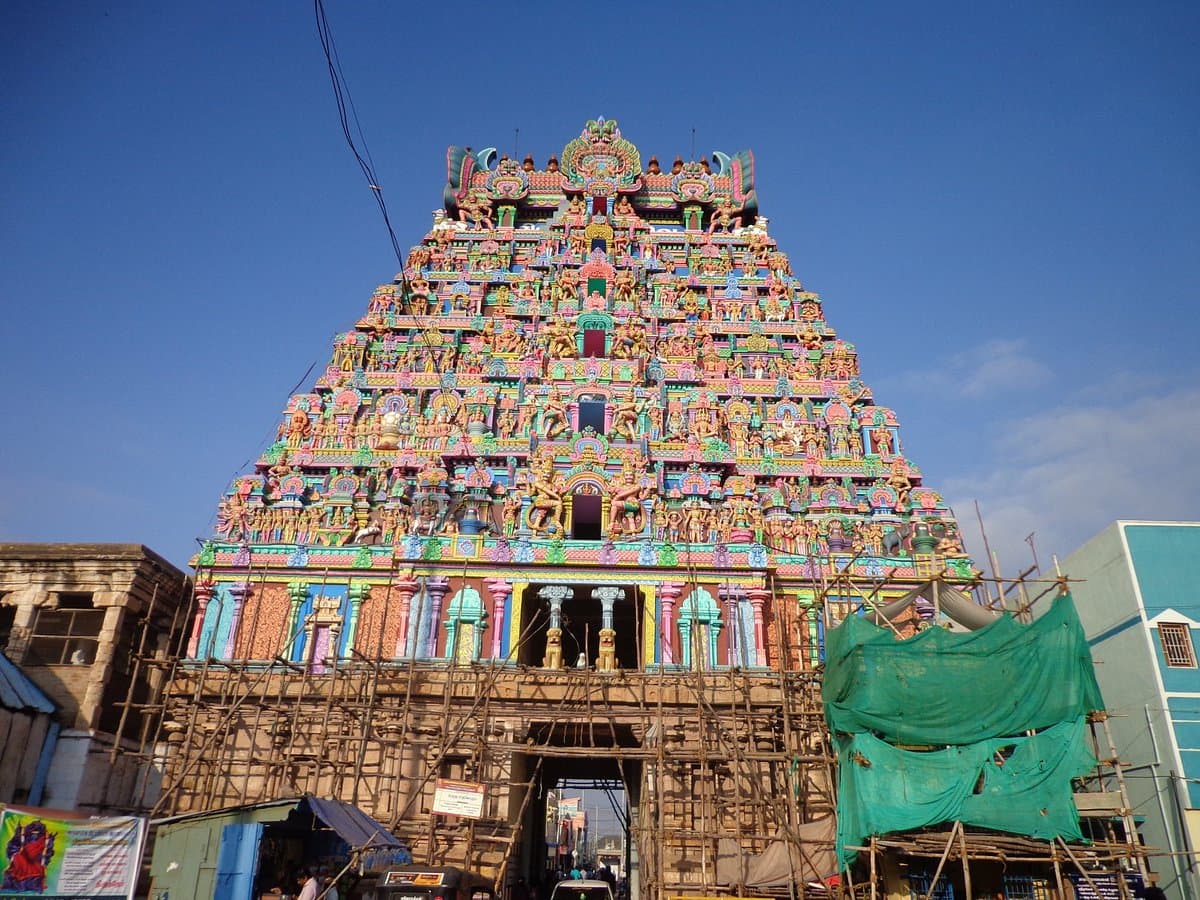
[80, 859]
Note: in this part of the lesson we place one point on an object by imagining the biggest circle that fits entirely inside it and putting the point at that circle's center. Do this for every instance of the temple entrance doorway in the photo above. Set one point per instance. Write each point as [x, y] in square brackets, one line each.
[579, 814]
[580, 617]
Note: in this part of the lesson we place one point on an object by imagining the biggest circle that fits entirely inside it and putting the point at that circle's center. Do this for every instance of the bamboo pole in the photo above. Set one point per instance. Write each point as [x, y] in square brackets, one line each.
[942, 862]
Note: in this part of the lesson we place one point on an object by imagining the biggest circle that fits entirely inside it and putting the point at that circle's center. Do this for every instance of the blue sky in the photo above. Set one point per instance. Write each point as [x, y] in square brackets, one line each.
[1000, 205]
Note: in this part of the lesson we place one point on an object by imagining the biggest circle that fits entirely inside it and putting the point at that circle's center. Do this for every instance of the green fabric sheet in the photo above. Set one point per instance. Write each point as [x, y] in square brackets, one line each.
[949, 688]
[1026, 789]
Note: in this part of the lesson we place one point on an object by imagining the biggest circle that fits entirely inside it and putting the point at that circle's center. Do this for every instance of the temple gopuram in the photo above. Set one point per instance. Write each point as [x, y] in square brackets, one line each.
[575, 501]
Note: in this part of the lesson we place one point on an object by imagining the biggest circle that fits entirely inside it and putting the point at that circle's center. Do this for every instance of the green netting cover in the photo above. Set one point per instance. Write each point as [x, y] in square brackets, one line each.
[1019, 785]
[940, 688]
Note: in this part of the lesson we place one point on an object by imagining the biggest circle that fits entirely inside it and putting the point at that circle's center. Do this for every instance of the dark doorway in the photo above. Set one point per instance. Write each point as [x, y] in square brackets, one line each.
[585, 517]
[581, 623]
[593, 343]
[599, 206]
[591, 412]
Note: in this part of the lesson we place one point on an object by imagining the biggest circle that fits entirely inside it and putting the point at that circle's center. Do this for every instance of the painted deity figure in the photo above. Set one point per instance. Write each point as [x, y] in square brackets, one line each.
[418, 295]
[625, 286]
[560, 340]
[476, 209]
[695, 521]
[576, 207]
[899, 481]
[299, 428]
[725, 217]
[626, 416]
[881, 442]
[546, 500]
[566, 287]
[625, 513]
[554, 416]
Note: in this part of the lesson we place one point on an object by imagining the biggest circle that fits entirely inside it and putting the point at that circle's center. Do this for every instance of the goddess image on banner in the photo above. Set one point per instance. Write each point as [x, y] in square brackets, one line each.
[78, 858]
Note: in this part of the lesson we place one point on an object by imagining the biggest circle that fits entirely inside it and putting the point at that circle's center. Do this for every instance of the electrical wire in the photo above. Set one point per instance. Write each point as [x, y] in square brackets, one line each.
[341, 96]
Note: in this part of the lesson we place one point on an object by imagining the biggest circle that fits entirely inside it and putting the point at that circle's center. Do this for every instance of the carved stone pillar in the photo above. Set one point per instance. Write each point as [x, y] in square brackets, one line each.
[607, 596]
[297, 594]
[606, 661]
[405, 589]
[239, 590]
[359, 593]
[203, 593]
[436, 587]
[731, 597]
[554, 594]
[668, 593]
[758, 598]
[92, 705]
[500, 589]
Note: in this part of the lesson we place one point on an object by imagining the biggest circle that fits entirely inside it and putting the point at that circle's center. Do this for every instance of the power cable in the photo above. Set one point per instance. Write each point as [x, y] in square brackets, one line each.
[341, 96]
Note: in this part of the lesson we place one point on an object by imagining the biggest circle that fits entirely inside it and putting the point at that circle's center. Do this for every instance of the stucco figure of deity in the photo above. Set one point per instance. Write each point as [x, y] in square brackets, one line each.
[554, 416]
[725, 217]
[626, 416]
[546, 500]
[625, 513]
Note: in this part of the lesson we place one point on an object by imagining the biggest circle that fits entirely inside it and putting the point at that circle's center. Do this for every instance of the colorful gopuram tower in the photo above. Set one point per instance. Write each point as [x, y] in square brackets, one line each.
[575, 498]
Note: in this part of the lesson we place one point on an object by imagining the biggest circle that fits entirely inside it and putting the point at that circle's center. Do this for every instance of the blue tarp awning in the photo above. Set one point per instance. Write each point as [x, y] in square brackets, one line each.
[353, 825]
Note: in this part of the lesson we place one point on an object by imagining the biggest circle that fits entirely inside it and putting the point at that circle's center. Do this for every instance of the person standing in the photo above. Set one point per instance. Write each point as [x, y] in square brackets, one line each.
[331, 891]
[312, 887]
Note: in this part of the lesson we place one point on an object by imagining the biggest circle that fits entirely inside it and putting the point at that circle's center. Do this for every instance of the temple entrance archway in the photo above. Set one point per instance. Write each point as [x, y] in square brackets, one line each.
[581, 808]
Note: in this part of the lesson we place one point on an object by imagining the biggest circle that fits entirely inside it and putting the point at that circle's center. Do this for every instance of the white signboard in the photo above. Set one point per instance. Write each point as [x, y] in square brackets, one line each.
[458, 798]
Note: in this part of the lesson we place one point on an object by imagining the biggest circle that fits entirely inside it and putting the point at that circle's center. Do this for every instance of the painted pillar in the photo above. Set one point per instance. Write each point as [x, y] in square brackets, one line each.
[239, 590]
[500, 590]
[731, 596]
[607, 595]
[297, 594]
[758, 598]
[554, 594]
[668, 593]
[359, 593]
[514, 621]
[436, 587]
[203, 592]
[405, 589]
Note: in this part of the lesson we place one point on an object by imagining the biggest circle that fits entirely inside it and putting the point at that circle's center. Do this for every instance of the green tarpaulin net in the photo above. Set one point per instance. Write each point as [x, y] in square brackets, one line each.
[971, 698]
[1019, 785]
[942, 688]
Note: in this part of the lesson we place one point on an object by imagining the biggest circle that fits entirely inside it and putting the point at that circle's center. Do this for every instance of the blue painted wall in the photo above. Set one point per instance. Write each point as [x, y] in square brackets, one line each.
[1164, 559]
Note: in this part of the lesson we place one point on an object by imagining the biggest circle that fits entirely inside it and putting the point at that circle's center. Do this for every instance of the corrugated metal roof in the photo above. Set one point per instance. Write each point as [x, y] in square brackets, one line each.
[18, 692]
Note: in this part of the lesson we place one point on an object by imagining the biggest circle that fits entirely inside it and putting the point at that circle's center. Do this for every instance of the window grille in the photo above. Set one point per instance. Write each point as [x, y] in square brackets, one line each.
[1025, 887]
[1177, 646]
[919, 882]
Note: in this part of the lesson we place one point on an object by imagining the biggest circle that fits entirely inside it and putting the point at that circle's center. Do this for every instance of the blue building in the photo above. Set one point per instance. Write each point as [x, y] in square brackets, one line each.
[1136, 591]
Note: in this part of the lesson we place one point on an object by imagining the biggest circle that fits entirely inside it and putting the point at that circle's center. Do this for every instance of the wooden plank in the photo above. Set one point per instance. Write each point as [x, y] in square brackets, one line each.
[1095, 803]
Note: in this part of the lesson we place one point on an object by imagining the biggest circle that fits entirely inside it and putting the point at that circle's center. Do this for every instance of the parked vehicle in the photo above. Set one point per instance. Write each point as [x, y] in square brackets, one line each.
[415, 882]
[582, 889]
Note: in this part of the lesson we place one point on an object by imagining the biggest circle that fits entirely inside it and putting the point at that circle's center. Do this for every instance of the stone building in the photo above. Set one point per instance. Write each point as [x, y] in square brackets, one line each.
[84, 623]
